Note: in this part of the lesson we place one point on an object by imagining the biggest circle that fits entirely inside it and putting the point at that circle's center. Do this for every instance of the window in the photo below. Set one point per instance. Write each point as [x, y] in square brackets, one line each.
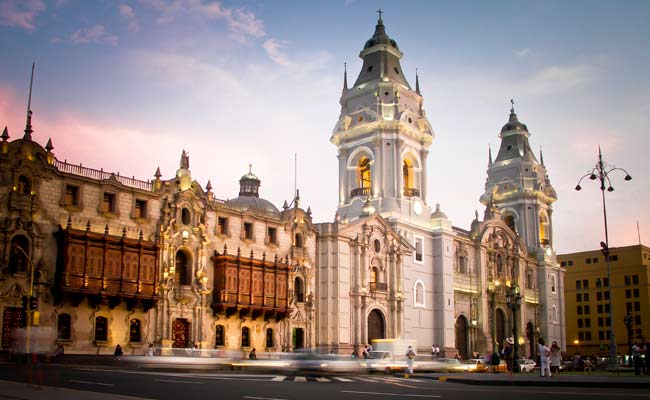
[587, 322]
[183, 270]
[298, 240]
[140, 210]
[245, 337]
[509, 220]
[186, 216]
[588, 260]
[408, 178]
[637, 319]
[599, 283]
[222, 226]
[299, 290]
[637, 306]
[23, 185]
[579, 310]
[418, 291]
[600, 308]
[613, 258]
[219, 336]
[71, 197]
[599, 296]
[552, 283]
[364, 175]
[585, 297]
[588, 335]
[608, 322]
[63, 325]
[554, 314]
[101, 329]
[606, 282]
[636, 293]
[377, 245]
[635, 279]
[578, 297]
[19, 251]
[570, 263]
[601, 322]
[606, 294]
[563, 264]
[543, 229]
[601, 335]
[529, 280]
[269, 337]
[628, 306]
[581, 336]
[594, 260]
[108, 203]
[272, 235]
[628, 294]
[134, 331]
[248, 230]
[587, 310]
[606, 308]
[373, 275]
[580, 323]
[585, 284]
[578, 285]
[419, 242]
[628, 280]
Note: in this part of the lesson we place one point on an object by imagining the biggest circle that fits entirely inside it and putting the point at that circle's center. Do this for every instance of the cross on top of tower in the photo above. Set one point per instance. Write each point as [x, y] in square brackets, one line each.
[512, 107]
[380, 12]
[250, 168]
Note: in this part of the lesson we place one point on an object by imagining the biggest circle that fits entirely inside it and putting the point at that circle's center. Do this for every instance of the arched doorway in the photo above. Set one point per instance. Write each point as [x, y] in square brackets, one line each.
[462, 334]
[501, 327]
[530, 335]
[376, 325]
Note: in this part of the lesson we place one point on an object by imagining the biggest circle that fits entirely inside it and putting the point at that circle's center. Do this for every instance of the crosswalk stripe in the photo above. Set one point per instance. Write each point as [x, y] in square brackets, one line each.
[322, 379]
[300, 379]
[279, 378]
[343, 379]
[366, 379]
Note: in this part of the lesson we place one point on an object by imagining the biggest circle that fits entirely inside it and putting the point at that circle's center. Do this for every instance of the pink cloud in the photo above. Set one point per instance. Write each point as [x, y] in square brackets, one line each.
[128, 14]
[95, 34]
[273, 49]
[20, 13]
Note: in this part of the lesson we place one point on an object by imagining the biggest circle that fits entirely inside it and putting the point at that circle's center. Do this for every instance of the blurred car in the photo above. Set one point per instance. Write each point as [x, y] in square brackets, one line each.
[383, 361]
[526, 365]
[475, 365]
[451, 365]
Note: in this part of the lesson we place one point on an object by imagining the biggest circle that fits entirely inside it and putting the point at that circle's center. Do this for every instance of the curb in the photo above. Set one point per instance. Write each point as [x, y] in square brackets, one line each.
[541, 383]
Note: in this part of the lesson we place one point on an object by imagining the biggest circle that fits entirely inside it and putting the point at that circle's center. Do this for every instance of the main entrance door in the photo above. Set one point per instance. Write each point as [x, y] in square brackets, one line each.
[376, 325]
[298, 338]
[11, 320]
[501, 327]
[180, 333]
[461, 337]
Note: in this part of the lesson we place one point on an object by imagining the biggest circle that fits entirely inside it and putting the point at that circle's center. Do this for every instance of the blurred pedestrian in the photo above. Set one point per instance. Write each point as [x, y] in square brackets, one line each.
[555, 358]
[252, 355]
[118, 352]
[637, 352]
[410, 356]
[59, 351]
[507, 353]
[150, 351]
[544, 352]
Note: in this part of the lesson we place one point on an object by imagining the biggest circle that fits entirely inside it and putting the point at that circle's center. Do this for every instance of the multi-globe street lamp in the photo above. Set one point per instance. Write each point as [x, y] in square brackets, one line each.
[627, 320]
[601, 173]
[513, 298]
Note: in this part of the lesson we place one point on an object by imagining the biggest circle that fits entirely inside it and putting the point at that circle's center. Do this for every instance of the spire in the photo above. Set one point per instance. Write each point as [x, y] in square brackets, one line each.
[49, 147]
[489, 155]
[541, 156]
[28, 123]
[157, 174]
[345, 76]
[185, 160]
[208, 186]
[5, 134]
[417, 82]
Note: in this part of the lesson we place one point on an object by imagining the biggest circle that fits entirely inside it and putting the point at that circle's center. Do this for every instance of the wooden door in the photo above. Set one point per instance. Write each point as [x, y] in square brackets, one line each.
[180, 333]
[13, 318]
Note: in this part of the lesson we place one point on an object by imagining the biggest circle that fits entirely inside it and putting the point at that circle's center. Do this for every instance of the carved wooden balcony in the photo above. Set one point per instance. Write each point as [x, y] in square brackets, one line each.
[364, 191]
[378, 287]
[411, 192]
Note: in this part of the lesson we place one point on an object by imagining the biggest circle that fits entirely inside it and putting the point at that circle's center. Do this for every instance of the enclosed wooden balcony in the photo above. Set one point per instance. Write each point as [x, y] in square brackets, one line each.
[411, 192]
[362, 191]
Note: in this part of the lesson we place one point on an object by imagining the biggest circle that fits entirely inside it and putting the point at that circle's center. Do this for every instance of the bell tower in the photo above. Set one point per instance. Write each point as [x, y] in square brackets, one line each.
[519, 187]
[382, 137]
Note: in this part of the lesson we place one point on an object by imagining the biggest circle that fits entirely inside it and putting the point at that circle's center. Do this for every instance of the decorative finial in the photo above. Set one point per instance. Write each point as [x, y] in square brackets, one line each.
[417, 82]
[541, 155]
[5, 134]
[49, 146]
[225, 249]
[185, 160]
[106, 229]
[124, 231]
[157, 174]
[309, 210]
[250, 168]
[28, 124]
[512, 106]
[489, 155]
[69, 225]
[380, 12]
[141, 234]
[208, 186]
[345, 76]
[88, 226]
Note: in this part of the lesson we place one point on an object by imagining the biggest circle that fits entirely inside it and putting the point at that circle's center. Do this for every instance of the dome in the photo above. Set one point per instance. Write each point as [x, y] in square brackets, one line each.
[254, 204]
[438, 213]
[514, 124]
[249, 176]
[380, 37]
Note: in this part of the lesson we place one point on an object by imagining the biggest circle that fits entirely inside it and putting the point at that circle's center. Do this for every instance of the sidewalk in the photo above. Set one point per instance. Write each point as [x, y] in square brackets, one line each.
[17, 390]
[621, 380]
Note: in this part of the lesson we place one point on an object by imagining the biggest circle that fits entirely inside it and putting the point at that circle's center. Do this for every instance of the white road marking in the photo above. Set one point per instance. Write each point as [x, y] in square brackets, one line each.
[322, 380]
[343, 379]
[570, 391]
[367, 379]
[279, 378]
[262, 398]
[390, 394]
[92, 383]
[300, 379]
[173, 381]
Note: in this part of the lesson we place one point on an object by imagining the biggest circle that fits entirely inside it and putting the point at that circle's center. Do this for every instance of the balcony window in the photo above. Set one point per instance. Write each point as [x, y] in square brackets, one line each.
[219, 336]
[63, 325]
[134, 331]
[108, 203]
[248, 230]
[71, 197]
[272, 235]
[101, 329]
[222, 226]
[140, 210]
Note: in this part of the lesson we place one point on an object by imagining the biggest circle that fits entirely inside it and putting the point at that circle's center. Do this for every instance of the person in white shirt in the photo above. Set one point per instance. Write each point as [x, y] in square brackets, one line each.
[544, 353]
[410, 356]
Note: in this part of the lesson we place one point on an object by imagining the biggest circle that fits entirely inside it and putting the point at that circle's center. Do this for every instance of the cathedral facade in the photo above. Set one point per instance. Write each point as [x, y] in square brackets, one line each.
[116, 260]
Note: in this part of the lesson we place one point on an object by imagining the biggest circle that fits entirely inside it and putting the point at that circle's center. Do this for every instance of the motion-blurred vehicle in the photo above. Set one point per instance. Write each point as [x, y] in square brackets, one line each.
[451, 365]
[526, 365]
[383, 361]
[475, 365]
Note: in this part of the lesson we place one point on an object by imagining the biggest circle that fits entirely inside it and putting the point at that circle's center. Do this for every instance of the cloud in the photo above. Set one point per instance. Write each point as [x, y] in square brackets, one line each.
[239, 21]
[273, 50]
[127, 13]
[559, 78]
[20, 13]
[96, 34]
[523, 52]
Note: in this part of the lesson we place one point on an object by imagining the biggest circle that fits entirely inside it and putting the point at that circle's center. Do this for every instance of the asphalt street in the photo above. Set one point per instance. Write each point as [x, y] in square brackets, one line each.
[79, 381]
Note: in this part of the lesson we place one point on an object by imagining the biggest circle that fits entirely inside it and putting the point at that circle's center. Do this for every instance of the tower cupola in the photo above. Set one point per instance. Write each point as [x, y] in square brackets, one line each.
[249, 184]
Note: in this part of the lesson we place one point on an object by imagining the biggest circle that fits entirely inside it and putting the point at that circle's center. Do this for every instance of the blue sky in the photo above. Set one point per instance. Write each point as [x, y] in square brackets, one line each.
[126, 85]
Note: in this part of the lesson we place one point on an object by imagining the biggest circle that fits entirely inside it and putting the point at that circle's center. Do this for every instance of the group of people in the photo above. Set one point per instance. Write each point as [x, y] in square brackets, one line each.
[640, 357]
[365, 353]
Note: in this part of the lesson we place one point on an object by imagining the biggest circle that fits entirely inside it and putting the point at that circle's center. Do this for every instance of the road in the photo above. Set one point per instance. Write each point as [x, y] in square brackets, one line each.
[174, 385]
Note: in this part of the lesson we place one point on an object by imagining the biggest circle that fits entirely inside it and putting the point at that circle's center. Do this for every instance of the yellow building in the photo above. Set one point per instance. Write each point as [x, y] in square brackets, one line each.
[588, 299]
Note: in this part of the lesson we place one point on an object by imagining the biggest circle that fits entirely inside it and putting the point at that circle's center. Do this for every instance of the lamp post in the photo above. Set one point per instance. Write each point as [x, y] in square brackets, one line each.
[577, 344]
[30, 316]
[513, 298]
[627, 320]
[492, 290]
[601, 173]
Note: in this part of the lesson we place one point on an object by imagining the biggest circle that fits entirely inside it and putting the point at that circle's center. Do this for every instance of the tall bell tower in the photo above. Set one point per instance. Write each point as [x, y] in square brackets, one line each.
[382, 137]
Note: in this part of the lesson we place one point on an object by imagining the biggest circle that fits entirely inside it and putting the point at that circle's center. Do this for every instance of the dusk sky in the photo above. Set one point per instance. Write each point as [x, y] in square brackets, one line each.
[127, 85]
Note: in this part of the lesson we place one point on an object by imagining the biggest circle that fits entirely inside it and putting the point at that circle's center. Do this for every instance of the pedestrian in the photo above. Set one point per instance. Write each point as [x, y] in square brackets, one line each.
[354, 355]
[507, 353]
[252, 355]
[118, 352]
[544, 352]
[495, 361]
[59, 351]
[637, 351]
[437, 351]
[150, 351]
[410, 356]
[433, 350]
[555, 358]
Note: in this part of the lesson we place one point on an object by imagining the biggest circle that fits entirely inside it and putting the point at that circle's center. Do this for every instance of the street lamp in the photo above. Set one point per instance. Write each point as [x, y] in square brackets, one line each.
[601, 173]
[492, 288]
[513, 298]
[627, 320]
[577, 344]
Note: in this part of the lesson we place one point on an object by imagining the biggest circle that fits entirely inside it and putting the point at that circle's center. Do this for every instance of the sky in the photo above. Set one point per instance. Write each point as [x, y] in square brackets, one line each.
[126, 85]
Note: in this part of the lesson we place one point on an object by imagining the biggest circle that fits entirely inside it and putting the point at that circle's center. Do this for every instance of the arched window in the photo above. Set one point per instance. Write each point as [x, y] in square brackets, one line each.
[299, 290]
[509, 220]
[23, 185]
[63, 325]
[462, 264]
[543, 229]
[529, 280]
[101, 329]
[245, 337]
[269, 337]
[219, 336]
[553, 315]
[418, 294]
[374, 275]
[407, 176]
[364, 174]
[499, 264]
[134, 331]
[185, 216]
[183, 270]
[19, 250]
[298, 241]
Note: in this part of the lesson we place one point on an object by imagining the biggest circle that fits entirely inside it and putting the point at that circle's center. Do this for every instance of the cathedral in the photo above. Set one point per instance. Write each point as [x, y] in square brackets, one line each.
[100, 259]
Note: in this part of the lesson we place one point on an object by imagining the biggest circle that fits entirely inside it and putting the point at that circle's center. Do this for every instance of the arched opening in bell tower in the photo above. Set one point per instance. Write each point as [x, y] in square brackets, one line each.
[364, 175]
[543, 229]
